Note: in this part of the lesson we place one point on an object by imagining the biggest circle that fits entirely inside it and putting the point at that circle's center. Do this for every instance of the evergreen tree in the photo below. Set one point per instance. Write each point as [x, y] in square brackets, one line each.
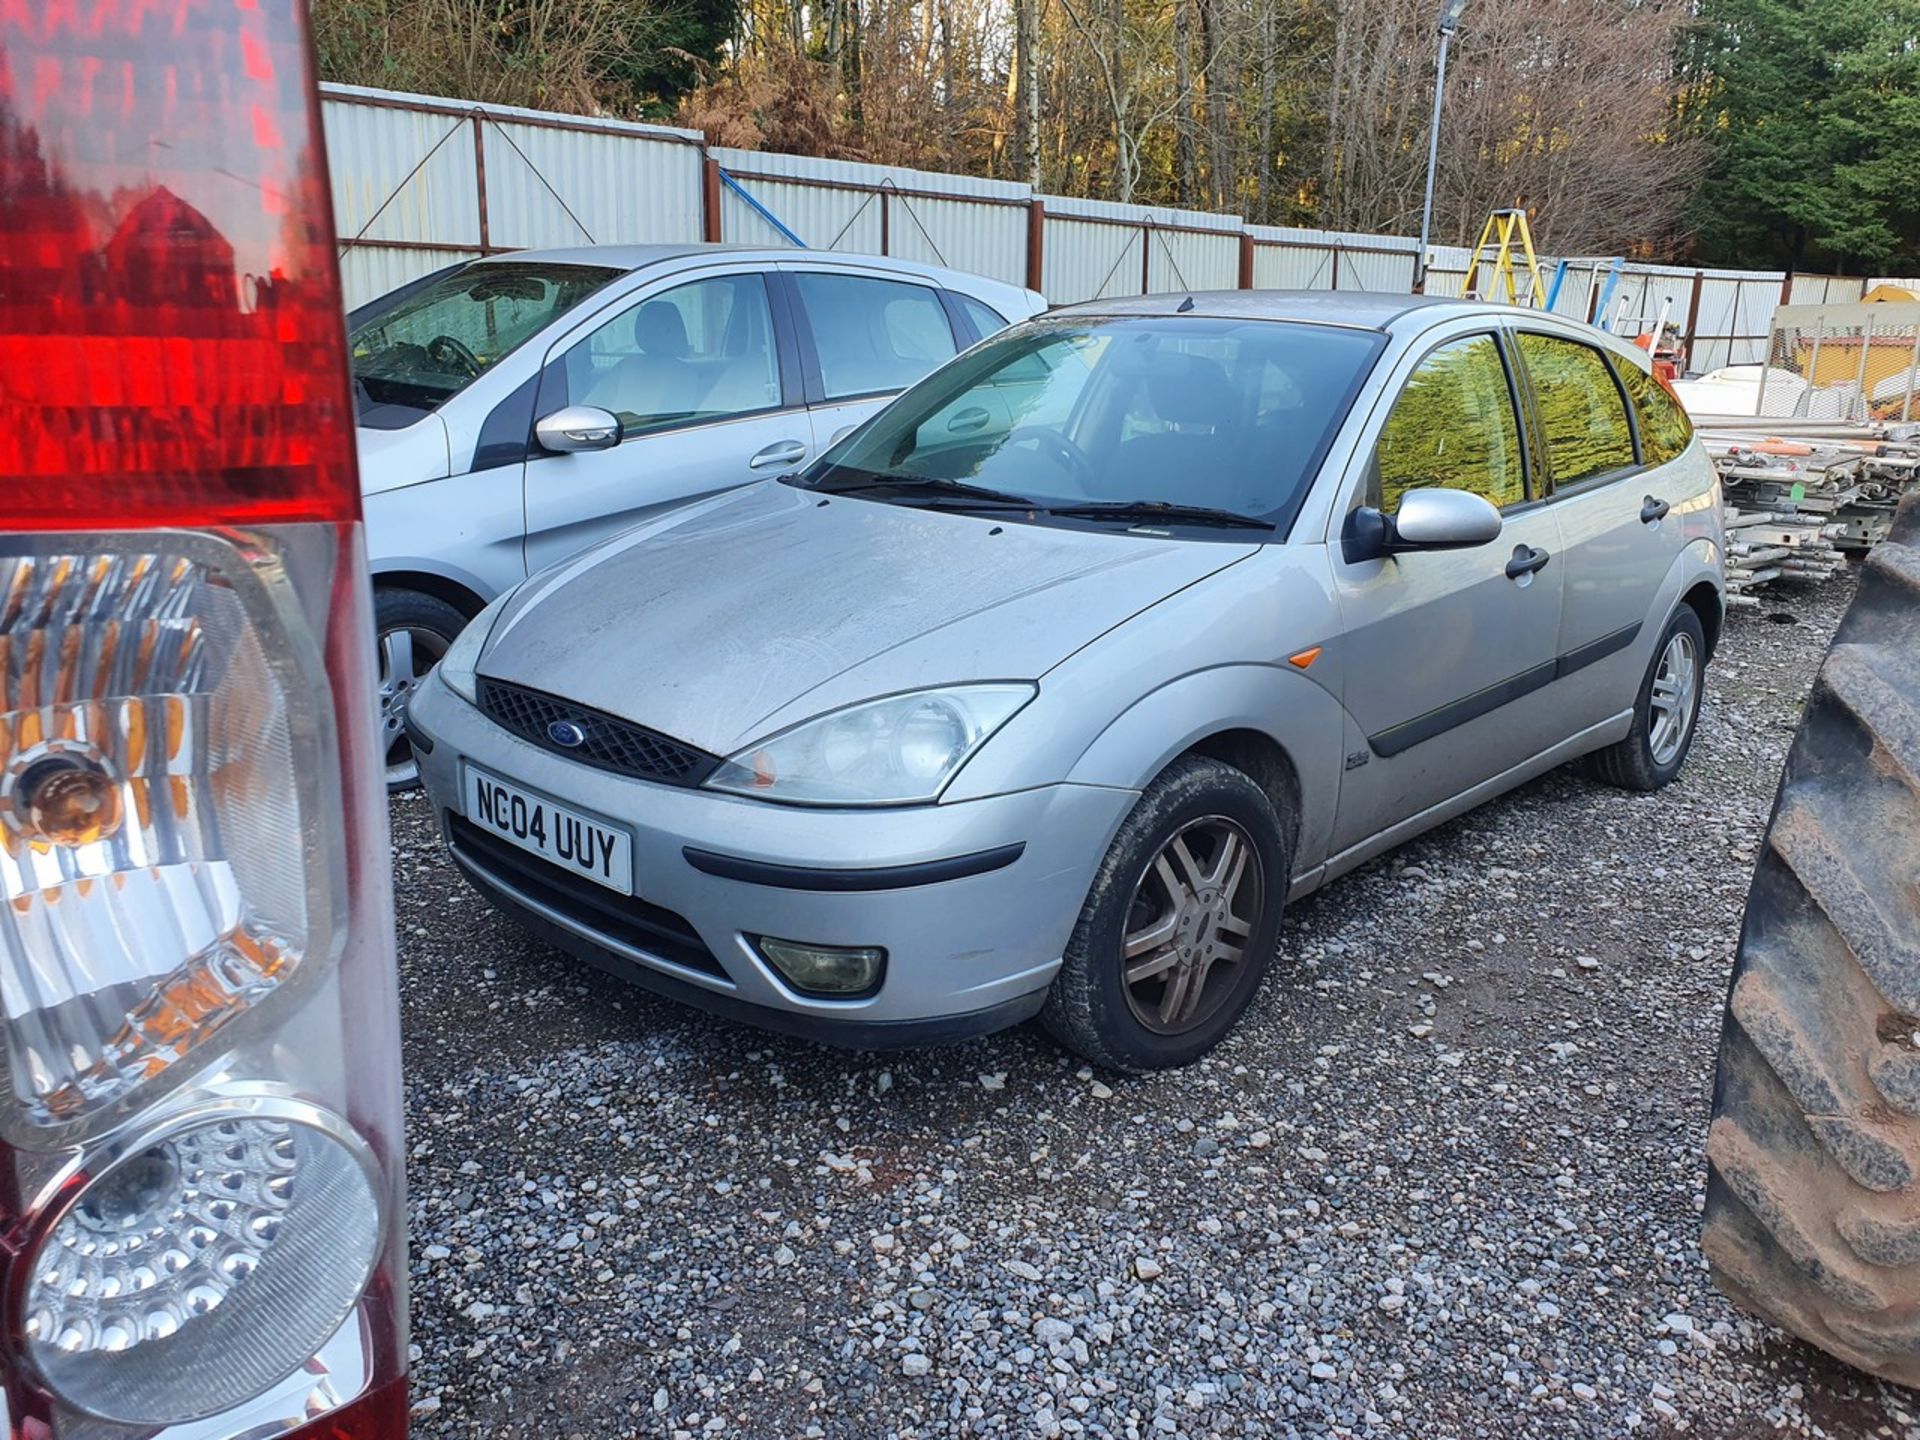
[1811, 111]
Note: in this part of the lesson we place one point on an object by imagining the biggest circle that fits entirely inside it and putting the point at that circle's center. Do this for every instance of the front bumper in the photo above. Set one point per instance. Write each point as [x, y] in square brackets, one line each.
[973, 902]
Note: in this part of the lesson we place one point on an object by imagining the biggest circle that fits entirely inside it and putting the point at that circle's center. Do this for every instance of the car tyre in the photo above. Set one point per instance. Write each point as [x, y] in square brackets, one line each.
[1206, 829]
[413, 630]
[1666, 712]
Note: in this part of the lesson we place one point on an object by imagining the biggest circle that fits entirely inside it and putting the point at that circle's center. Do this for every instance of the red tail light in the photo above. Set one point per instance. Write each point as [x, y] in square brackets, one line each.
[200, 1158]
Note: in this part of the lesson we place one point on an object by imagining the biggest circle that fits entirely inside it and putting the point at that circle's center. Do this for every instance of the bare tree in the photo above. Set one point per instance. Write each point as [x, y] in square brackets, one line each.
[1027, 101]
[1308, 111]
[1184, 161]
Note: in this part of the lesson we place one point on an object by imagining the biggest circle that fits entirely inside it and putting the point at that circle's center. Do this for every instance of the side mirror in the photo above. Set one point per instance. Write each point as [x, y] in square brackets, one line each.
[1426, 520]
[577, 427]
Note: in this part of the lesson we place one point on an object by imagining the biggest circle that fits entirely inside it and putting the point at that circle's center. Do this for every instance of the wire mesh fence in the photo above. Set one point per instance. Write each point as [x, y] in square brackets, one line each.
[1842, 362]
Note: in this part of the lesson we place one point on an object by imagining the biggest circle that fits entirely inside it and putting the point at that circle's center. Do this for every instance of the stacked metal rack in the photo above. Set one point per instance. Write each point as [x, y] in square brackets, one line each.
[1801, 494]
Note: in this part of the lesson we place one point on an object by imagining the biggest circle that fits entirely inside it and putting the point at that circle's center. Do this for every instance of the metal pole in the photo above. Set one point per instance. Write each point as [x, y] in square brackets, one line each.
[1866, 345]
[1433, 160]
[1913, 369]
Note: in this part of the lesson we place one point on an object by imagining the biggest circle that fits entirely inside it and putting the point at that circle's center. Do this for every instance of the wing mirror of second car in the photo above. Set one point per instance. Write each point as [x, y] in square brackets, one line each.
[578, 427]
[1426, 520]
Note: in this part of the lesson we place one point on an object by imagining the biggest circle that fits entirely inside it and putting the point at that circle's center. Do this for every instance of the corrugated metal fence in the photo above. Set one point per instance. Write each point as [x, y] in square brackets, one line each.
[420, 183]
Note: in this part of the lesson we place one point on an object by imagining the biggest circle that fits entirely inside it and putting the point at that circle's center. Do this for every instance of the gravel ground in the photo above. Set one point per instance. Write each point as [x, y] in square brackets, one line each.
[1443, 1181]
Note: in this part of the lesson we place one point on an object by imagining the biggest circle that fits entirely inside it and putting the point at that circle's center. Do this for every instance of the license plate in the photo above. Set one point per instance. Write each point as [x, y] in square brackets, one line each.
[578, 843]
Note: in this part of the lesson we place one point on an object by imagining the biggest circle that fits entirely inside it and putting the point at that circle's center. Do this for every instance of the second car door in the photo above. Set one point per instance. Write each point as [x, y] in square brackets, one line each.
[1447, 654]
[693, 372]
[870, 338]
[1612, 520]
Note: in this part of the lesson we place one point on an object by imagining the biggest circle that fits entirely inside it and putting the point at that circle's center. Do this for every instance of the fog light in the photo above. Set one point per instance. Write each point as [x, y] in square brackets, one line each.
[825, 969]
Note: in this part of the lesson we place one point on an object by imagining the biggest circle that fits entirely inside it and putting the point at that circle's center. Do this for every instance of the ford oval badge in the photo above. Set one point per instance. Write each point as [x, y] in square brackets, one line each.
[565, 732]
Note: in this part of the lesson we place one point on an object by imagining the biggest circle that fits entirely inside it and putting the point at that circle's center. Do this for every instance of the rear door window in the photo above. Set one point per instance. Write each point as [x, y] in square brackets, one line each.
[1582, 412]
[1454, 428]
[1664, 427]
[873, 336]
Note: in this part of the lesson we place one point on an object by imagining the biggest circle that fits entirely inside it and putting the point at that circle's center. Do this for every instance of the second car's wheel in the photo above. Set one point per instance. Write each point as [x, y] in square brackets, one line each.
[1178, 927]
[414, 631]
[1665, 712]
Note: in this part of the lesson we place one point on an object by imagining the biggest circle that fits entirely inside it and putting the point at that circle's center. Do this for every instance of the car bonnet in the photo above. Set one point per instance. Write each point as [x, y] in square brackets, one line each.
[732, 618]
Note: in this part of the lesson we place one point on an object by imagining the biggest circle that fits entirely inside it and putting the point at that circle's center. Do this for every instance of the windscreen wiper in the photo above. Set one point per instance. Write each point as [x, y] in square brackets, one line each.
[1164, 511]
[957, 494]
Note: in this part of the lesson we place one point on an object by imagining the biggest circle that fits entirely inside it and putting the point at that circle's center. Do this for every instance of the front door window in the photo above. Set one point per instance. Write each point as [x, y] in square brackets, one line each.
[1454, 427]
[695, 354]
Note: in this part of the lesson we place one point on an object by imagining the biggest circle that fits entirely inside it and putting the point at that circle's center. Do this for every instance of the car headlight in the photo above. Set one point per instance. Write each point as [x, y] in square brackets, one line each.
[898, 751]
[457, 665]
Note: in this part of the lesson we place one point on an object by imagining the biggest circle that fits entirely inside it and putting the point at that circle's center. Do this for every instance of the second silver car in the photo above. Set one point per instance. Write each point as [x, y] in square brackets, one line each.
[516, 409]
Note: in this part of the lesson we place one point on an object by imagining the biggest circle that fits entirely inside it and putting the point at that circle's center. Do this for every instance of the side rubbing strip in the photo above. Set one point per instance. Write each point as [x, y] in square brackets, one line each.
[1409, 733]
[1584, 655]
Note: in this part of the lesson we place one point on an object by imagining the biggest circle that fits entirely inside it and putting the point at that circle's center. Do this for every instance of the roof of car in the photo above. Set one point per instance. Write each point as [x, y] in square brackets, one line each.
[637, 257]
[1376, 311]
[620, 257]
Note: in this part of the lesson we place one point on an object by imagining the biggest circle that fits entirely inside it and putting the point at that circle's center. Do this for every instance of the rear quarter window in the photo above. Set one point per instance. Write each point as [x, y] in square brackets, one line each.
[1664, 426]
[986, 320]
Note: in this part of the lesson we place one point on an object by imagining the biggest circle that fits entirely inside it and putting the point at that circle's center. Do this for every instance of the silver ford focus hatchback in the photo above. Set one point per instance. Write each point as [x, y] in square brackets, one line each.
[1042, 692]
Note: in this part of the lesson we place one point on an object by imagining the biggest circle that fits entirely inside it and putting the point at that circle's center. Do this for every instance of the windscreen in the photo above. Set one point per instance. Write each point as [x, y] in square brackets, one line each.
[1190, 411]
[425, 344]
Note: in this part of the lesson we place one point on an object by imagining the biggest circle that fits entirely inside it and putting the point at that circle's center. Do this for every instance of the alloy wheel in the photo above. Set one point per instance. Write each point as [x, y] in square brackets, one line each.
[1193, 911]
[1670, 706]
[407, 654]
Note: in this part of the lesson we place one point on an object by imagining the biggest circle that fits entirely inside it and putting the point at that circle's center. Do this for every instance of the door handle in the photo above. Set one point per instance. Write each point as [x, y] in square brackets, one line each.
[1526, 560]
[1652, 510]
[781, 452]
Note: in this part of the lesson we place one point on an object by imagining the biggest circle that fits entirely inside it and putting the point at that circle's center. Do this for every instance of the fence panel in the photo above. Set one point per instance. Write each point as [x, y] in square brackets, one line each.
[1447, 269]
[1826, 289]
[1736, 308]
[1191, 260]
[370, 271]
[1090, 260]
[1298, 258]
[420, 182]
[822, 217]
[1290, 264]
[548, 186]
[956, 221]
[1098, 248]
[401, 174]
[1363, 268]
[977, 236]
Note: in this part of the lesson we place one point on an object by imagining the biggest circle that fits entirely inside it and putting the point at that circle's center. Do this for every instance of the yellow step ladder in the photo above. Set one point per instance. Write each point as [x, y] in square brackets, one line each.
[1505, 231]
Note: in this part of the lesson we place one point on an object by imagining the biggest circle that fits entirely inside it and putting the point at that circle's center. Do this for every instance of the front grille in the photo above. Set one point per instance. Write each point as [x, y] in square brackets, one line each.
[610, 743]
[626, 918]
